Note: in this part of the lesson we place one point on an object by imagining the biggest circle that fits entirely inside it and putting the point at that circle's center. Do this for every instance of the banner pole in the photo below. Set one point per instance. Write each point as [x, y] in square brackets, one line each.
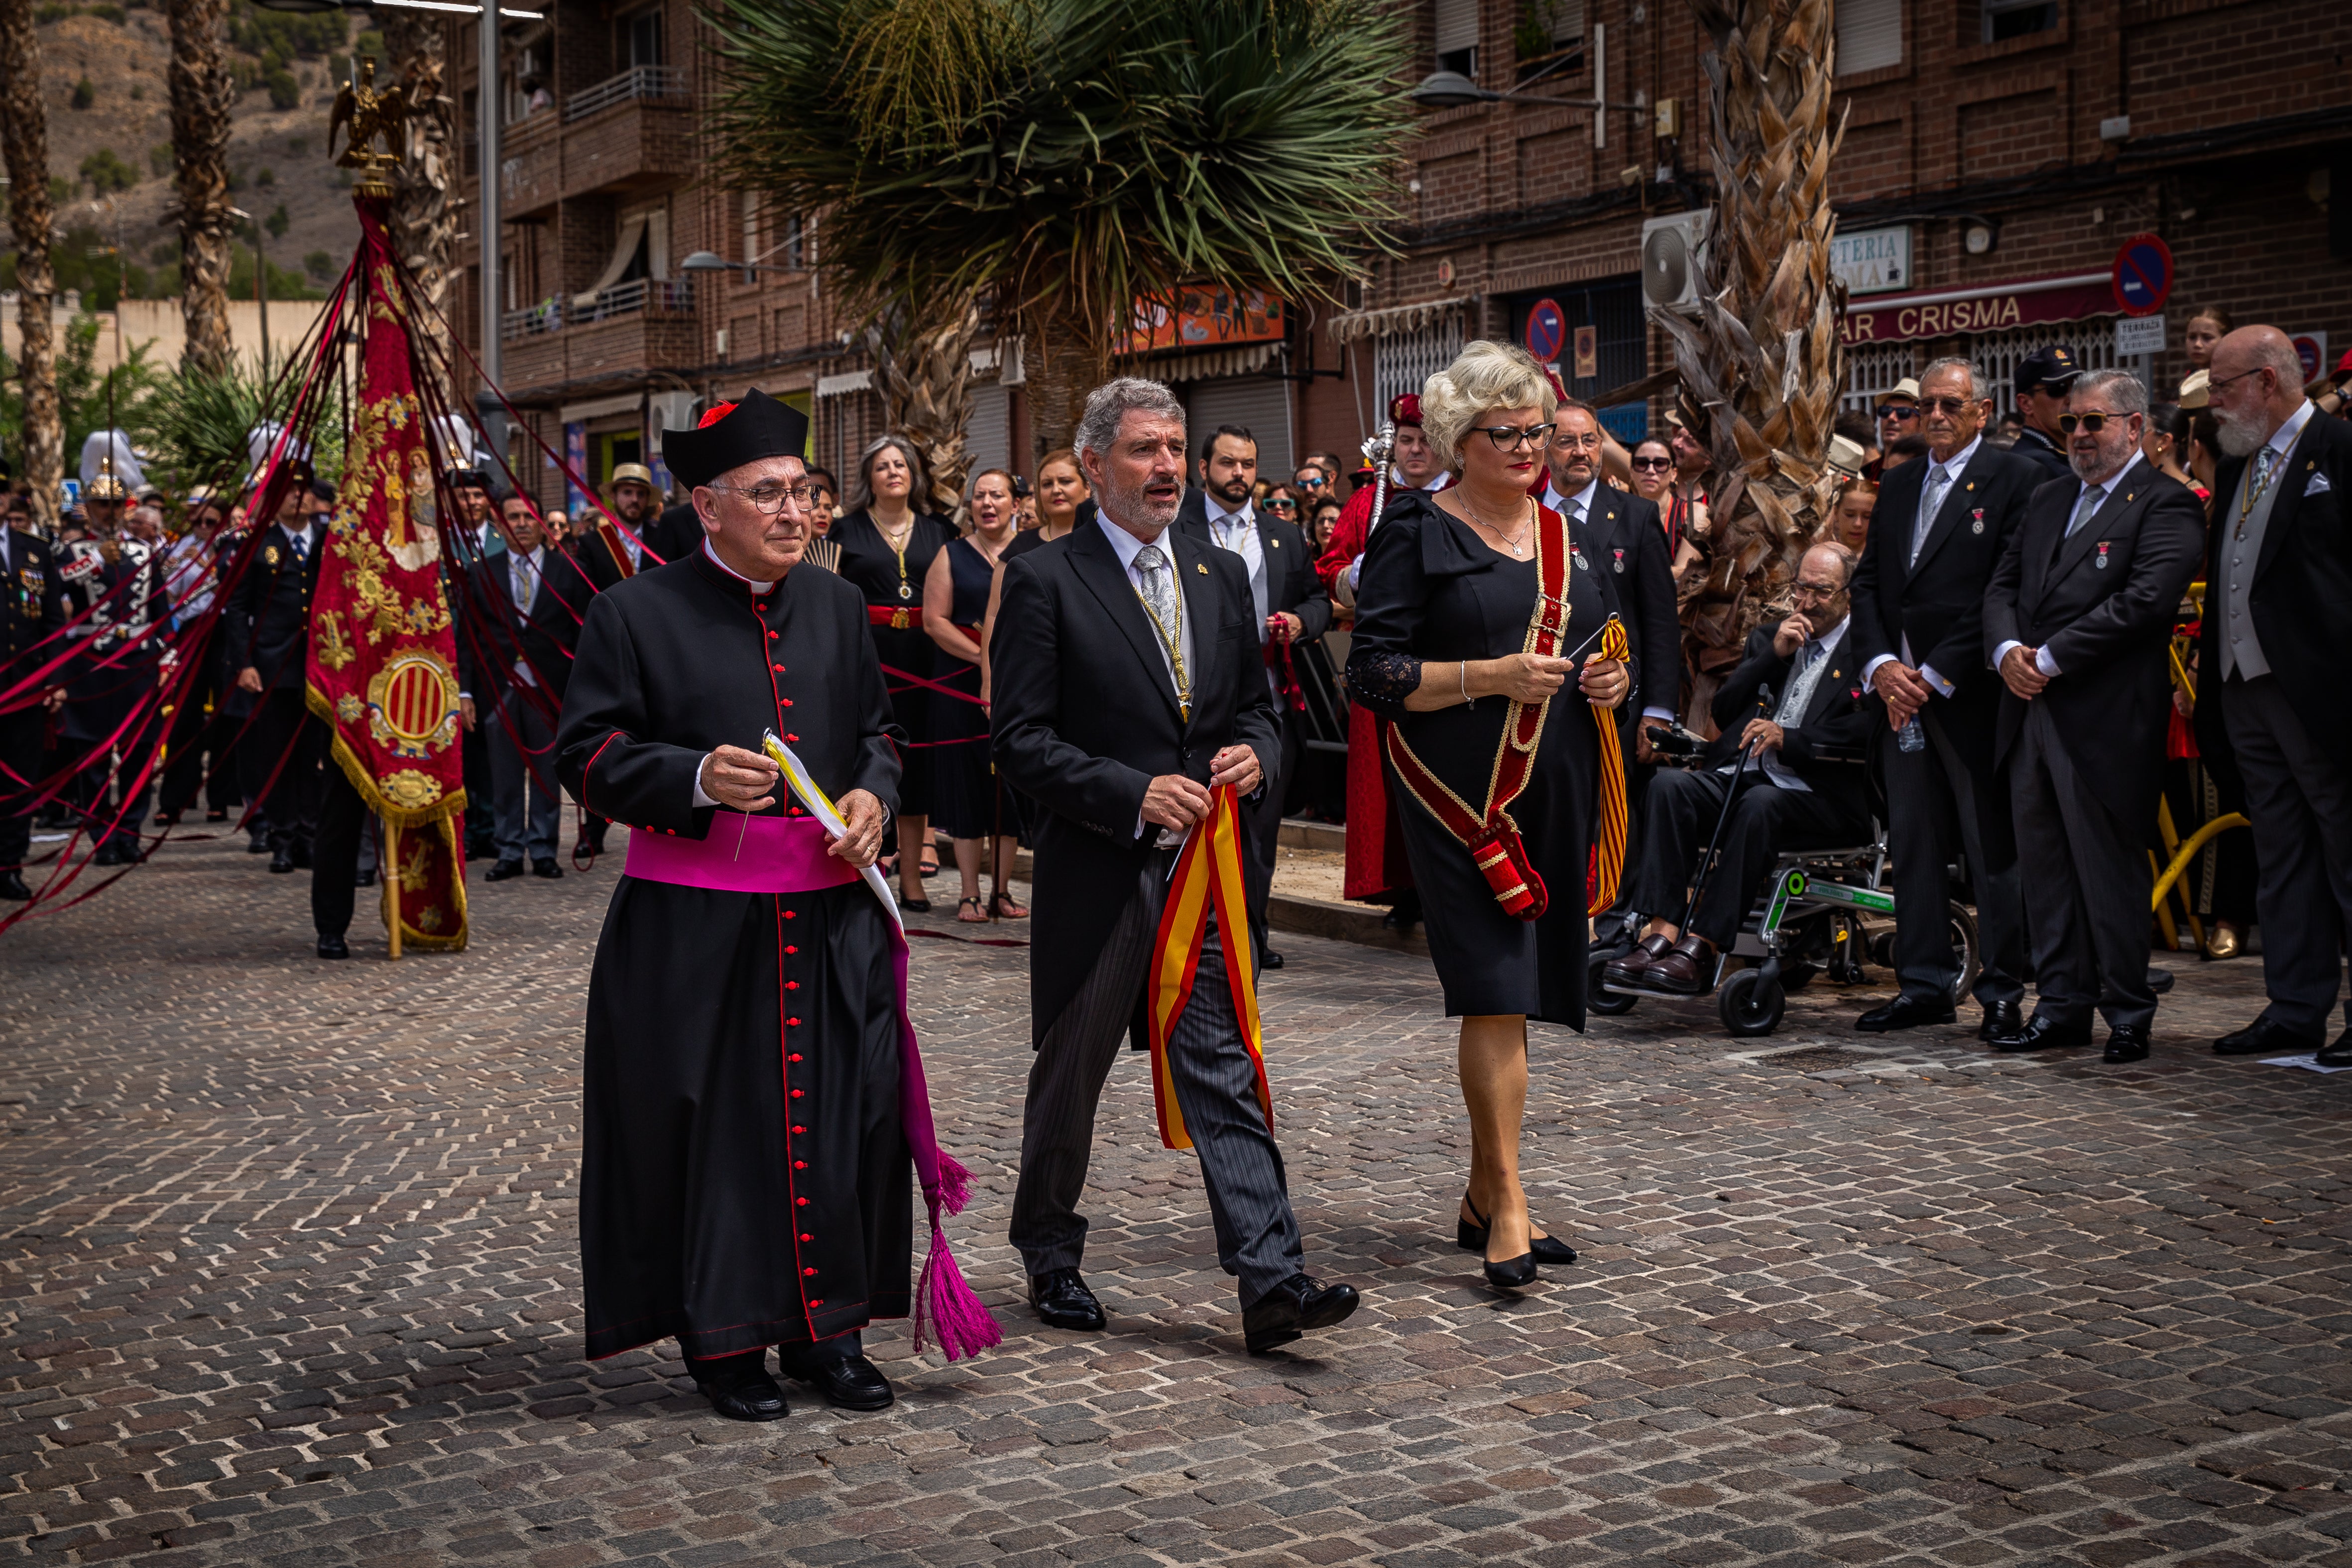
[392, 882]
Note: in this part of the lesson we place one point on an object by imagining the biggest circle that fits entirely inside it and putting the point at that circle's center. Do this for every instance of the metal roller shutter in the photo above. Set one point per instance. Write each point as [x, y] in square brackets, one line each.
[1258, 404]
[989, 435]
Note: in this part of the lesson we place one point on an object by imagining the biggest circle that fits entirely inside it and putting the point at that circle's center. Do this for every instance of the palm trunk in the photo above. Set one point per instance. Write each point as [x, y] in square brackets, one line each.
[200, 96]
[1758, 357]
[423, 224]
[25, 143]
[1063, 358]
[924, 373]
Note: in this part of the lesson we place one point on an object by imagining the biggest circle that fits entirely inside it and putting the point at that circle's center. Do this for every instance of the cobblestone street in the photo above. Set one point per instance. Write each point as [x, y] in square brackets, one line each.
[290, 1278]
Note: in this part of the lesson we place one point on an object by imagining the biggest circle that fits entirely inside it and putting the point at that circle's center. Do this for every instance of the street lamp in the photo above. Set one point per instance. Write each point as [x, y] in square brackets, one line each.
[711, 262]
[1452, 89]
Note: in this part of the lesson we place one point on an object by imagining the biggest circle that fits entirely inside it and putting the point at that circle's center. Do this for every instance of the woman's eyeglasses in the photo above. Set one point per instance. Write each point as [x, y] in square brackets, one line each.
[1507, 438]
[1274, 505]
[1652, 465]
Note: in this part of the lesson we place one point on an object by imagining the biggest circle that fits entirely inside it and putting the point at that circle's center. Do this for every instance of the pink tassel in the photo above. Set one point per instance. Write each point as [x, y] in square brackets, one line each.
[944, 1303]
[955, 1183]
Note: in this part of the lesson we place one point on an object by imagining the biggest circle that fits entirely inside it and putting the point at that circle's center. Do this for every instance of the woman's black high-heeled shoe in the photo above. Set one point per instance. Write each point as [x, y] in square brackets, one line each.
[1472, 1238]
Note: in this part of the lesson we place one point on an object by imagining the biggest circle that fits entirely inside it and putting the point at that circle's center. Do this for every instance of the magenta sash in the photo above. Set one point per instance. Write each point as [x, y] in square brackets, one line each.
[742, 855]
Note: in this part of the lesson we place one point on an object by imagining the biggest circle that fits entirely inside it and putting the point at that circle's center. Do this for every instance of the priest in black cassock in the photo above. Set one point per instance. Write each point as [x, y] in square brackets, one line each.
[749, 1115]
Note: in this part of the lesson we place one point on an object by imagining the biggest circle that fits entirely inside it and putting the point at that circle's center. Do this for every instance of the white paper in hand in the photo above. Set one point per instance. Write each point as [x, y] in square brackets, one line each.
[815, 802]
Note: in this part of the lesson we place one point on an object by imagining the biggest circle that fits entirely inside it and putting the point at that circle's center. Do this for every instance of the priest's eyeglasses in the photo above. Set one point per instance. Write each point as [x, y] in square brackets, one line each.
[1508, 437]
[769, 496]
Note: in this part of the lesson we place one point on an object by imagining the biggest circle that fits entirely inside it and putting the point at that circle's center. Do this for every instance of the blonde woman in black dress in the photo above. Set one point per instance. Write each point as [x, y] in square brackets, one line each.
[1440, 654]
[887, 548]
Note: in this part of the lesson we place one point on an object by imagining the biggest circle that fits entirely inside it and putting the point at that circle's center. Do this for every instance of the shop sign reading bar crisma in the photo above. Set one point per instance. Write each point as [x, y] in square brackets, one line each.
[2028, 302]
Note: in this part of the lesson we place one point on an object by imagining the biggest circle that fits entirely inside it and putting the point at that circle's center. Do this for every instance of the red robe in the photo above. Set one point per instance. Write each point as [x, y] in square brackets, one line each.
[1377, 869]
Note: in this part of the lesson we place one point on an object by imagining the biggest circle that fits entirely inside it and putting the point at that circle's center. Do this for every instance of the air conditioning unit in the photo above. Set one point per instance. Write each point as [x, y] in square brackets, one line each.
[670, 411]
[1673, 257]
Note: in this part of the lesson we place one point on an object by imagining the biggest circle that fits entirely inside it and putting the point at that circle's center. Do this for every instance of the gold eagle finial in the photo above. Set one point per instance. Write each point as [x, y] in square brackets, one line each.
[365, 115]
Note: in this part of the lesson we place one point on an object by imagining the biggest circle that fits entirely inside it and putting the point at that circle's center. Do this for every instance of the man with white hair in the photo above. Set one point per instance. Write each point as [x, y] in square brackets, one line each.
[1127, 687]
[2078, 621]
[2271, 669]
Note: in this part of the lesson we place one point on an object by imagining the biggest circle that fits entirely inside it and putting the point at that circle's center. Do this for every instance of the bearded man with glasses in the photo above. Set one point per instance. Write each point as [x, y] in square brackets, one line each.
[1941, 526]
[748, 1116]
[2078, 621]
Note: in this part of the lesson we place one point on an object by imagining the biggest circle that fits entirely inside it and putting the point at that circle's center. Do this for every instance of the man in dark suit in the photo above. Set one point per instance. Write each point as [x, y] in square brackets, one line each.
[1799, 772]
[2078, 621]
[1289, 602]
[1941, 527]
[2273, 668]
[2043, 380]
[1127, 685]
[32, 607]
[1618, 531]
[267, 633]
[521, 617]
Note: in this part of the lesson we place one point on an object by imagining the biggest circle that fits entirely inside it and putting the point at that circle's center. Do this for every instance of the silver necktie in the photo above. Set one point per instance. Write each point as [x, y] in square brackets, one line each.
[2085, 507]
[1930, 502]
[1159, 591]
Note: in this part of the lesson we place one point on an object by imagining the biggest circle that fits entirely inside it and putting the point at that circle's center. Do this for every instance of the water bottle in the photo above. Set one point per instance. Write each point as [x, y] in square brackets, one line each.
[1911, 738]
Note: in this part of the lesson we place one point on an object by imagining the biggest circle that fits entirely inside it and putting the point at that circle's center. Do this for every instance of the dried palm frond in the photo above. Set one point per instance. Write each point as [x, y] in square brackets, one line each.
[923, 371]
[1759, 360]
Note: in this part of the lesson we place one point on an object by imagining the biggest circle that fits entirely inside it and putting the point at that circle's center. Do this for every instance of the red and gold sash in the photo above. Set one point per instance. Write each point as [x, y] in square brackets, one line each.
[1208, 874]
[1490, 835]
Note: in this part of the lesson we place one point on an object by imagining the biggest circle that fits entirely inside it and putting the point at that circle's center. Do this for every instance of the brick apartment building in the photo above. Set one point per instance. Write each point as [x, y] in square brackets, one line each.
[1998, 154]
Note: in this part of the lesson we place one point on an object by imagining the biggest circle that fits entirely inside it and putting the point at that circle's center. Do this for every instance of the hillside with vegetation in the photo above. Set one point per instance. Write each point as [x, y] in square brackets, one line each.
[107, 99]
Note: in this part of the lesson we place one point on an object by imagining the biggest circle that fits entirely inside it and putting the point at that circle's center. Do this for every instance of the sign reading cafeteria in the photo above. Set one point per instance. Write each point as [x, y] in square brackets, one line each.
[1989, 309]
[1204, 318]
[1872, 260]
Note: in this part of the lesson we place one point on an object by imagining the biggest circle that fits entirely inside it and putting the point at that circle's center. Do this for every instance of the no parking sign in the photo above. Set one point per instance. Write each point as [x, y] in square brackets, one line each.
[2143, 275]
[1547, 330]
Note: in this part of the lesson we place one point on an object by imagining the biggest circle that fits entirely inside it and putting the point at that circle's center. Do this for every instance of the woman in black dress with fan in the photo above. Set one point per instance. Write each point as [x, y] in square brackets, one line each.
[967, 799]
[887, 548]
[1446, 654]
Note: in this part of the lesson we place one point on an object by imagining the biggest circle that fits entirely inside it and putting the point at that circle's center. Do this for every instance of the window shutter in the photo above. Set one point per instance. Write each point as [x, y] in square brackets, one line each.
[1457, 25]
[1869, 35]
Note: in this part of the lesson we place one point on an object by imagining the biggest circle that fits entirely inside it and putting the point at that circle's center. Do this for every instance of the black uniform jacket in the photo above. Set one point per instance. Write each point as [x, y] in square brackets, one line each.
[1623, 537]
[32, 602]
[1939, 603]
[1830, 747]
[1085, 717]
[1291, 585]
[2301, 601]
[686, 657]
[2043, 453]
[2102, 603]
[491, 637]
[267, 625]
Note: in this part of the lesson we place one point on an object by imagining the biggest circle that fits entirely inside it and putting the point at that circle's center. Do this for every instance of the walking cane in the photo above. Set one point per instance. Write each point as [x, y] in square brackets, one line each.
[1730, 798]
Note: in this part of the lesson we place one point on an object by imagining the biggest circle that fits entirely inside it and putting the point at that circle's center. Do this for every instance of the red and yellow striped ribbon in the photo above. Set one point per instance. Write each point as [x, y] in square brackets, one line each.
[1607, 863]
[1209, 875]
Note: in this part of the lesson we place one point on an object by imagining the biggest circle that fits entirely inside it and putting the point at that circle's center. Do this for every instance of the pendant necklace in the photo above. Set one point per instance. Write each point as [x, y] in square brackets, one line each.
[1517, 545]
[899, 548]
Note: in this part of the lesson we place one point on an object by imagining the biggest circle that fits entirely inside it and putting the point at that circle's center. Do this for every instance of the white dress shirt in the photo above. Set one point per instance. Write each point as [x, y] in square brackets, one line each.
[1578, 509]
[1805, 677]
[2041, 659]
[1950, 469]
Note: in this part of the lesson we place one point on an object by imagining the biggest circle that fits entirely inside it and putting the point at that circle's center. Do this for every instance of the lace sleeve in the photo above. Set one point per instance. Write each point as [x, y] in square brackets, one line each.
[1383, 681]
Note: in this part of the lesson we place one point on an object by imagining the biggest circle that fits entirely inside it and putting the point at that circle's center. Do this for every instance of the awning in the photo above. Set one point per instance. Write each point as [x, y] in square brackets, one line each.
[599, 408]
[1204, 364]
[1350, 326]
[845, 384]
[1996, 308]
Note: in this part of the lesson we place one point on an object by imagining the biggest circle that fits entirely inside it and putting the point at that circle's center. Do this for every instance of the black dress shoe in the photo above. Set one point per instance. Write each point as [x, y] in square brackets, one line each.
[2158, 980]
[363, 880]
[2044, 1033]
[505, 870]
[1063, 1301]
[2338, 1055]
[1269, 959]
[259, 845]
[12, 886]
[2001, 1020]
[739, 1388]
[280, 864]
[332, 945]
[2127, 1043]
[546, 867]
[1300, 1303]
[1471, 1237]
[846, 1379]
[2264, 1037]
[1905, 1012]
[301, 853]
[1511, 1273]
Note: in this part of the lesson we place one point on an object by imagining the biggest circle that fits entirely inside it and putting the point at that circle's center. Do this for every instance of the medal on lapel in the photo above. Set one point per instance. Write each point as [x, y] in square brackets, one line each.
[1618, 565]
[2102, 562]
[1977, 526]
[1577, 555]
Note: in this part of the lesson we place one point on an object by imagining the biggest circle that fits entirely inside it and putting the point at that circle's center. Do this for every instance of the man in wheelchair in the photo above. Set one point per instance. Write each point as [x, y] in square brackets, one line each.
[1786, 772]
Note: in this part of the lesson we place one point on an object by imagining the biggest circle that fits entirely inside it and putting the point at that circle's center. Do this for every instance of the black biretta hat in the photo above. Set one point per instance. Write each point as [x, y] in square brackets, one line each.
[734, 434]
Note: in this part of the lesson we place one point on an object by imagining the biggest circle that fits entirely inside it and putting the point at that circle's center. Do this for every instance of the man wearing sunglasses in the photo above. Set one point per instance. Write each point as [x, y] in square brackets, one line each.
[2272, 666]
[2044, 379]
[1940, 527]
[1899, 416]
[2078, 620]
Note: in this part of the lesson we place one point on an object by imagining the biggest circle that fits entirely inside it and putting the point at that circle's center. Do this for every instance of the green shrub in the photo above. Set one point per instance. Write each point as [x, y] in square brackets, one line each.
[109, 14]
[265, 176]
[278, 222]
[53, 12]
[285, 92]
[105, 173]
[162, 160]
[84, 94]
[319, 264]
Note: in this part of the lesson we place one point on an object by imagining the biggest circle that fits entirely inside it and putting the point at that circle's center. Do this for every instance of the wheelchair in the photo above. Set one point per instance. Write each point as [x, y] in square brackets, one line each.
[1809, 922]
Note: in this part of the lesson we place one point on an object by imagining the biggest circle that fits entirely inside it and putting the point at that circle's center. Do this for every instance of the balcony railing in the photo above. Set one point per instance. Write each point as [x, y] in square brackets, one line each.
[671, 295]
[638, 81]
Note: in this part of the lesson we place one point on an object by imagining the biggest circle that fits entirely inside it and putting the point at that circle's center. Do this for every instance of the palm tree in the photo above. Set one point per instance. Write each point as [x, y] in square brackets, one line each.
[202, 95]
[25, 143]
[924, 374]
[1066, 158]
[423, 224]
[1758, 356]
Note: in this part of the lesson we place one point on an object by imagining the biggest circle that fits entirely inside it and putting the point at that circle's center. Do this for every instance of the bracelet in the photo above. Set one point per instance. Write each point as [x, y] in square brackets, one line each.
[1462, 672]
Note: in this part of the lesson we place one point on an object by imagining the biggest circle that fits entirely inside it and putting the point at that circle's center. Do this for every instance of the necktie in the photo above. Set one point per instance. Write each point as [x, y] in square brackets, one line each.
[2085, 507]
[1931, 501]
[521, 583]
[1801, 685]
[301, 545]
[1159, 598]
[2265, 460]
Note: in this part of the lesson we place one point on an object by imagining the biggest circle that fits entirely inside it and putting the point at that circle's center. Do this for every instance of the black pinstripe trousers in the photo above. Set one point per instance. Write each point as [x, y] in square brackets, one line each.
[1216, 1088]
